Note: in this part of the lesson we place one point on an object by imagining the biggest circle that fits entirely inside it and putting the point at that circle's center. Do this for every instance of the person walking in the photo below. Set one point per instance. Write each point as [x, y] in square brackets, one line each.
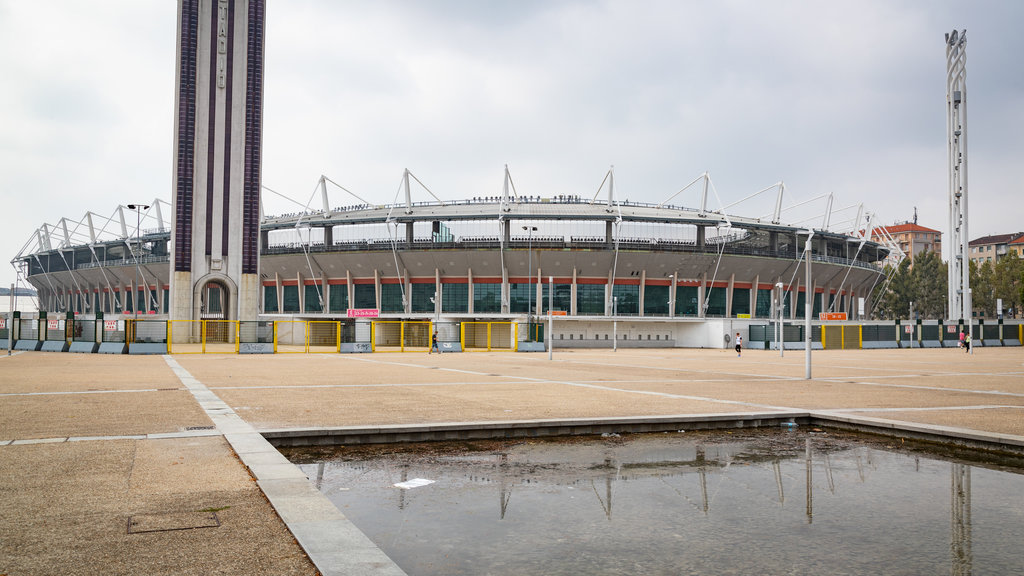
[433, 343]
[739, 345]
[961, 344]
[967, 343]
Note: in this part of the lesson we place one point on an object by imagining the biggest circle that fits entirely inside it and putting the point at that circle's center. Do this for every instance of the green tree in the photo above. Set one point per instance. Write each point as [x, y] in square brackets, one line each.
[894, 297]
[983, 298]
[1008, 280]
[929, 280]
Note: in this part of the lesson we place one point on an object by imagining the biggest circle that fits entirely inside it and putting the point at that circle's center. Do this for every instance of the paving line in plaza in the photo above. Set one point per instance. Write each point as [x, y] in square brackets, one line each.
[378, 385]
[154, 436]
[612, 389]
[74, 392]
[928, 409]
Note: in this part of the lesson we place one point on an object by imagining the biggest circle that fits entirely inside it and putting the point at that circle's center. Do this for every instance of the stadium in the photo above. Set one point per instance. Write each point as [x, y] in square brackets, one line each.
[483, 271]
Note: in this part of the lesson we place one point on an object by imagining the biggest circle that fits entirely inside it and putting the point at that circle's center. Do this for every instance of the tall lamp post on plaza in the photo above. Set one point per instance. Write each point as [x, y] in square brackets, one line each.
[778, 310]
[529, 285]
[138, 208]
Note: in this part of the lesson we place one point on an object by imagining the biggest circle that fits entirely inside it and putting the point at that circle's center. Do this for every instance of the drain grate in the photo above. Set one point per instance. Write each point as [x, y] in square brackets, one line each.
[194, 428]
[142, 523]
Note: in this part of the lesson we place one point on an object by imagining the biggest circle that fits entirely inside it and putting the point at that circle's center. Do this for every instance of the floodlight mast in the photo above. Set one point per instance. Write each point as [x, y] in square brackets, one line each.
[959, 285]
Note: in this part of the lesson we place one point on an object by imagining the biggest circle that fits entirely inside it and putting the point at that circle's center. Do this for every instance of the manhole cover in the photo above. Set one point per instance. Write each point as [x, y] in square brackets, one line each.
[171, 521]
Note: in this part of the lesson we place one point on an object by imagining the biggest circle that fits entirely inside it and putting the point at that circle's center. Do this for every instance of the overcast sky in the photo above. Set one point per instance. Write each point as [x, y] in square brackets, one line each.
[831, 97]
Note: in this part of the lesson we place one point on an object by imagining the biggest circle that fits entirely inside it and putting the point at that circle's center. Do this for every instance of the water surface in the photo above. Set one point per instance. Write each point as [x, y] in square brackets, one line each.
[747, 502]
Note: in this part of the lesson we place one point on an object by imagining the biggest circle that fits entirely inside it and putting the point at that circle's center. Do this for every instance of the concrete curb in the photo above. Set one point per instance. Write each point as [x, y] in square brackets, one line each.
[334, 545]
[583, 426]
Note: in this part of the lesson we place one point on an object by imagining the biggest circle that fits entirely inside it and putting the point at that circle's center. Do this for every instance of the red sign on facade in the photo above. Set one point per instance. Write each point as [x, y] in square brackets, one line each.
[831, 315]
[363, 312]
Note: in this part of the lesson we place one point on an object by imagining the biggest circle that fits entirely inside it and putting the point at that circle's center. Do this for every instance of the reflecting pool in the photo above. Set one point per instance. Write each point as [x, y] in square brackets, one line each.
[805, 501]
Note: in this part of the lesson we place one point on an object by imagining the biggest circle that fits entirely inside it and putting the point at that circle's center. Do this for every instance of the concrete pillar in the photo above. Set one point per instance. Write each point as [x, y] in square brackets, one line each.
[643, 285]
[572, 294]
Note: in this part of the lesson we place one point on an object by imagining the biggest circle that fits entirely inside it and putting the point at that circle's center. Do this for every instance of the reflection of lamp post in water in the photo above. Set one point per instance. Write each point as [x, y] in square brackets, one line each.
[529, 285]
[138, 248]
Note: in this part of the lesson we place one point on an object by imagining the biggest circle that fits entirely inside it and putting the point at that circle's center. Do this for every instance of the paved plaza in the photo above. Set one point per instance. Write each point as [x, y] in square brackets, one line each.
[155, 465]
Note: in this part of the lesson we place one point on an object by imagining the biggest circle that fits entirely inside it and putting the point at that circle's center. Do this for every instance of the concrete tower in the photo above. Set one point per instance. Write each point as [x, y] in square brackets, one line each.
[217, 141]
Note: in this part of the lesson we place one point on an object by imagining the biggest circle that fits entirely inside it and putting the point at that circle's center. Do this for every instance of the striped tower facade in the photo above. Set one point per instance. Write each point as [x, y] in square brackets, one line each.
[219, 104]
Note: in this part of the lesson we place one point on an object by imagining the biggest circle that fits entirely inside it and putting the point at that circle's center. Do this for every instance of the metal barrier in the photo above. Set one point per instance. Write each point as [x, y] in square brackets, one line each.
[115, 331]
[488, 336]
[401, 336]
[950, 335]
[990, 335]
[186, 336]
[149, 331]
[85, 331]
[324, 336]
[256, 332]
[291, 336]
[220, 336]
[28, 329]
[56, 330]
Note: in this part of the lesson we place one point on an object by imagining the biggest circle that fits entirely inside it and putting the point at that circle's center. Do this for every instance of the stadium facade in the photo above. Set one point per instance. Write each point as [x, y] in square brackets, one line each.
[646, 274]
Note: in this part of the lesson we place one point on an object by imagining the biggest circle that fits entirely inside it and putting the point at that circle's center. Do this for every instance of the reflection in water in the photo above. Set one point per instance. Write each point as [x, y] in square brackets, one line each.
[960, 515]
[869, 509]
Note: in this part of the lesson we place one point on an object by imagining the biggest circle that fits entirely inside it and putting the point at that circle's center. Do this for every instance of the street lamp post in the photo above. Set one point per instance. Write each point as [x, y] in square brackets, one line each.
[138, 208]
[551, 316]
[529, 285]
[808, 303]
[779, 307]
[615, 324]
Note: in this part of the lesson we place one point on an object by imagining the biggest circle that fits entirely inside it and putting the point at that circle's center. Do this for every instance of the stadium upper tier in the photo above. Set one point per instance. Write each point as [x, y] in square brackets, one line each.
[511, 242]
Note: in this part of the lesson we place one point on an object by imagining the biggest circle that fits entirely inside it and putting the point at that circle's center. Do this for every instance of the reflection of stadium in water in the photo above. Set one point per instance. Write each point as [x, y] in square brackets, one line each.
[649, 485]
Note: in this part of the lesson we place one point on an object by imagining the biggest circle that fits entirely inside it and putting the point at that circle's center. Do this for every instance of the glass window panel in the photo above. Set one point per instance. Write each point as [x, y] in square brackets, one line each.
[312, 299]
[486, 298]
[740, 301]
[764, 303]
[686, 301]
[339, 298]
[716, 302]
[628, 296]
[655, 300]
[269, 299]
[421, 295]
[391, 298]
[455, 298]
[291, 299]
[563, 298]
[519, 298]
[365, 296]
[590, 299]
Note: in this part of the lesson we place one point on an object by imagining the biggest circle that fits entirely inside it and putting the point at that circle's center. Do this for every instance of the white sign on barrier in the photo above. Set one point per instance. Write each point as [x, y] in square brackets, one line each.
[110, 325]
[3, 323]
[52, 324]
[951, 329]
[909, 329]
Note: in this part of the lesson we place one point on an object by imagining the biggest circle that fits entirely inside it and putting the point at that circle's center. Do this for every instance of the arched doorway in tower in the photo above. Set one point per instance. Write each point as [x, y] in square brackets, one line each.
[214, 305]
